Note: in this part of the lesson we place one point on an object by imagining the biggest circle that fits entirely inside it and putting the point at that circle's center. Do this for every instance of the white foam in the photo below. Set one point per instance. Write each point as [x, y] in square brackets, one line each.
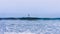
[26, 32]
[18, 33]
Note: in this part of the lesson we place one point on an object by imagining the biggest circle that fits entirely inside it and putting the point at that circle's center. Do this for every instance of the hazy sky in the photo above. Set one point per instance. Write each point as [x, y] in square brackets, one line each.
[37, 8]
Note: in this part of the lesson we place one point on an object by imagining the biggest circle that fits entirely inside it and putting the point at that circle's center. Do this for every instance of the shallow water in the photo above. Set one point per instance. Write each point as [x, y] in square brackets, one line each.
[31, 26]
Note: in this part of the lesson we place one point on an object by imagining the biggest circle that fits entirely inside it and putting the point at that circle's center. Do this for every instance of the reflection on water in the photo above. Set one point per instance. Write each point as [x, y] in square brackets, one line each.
[32, 27]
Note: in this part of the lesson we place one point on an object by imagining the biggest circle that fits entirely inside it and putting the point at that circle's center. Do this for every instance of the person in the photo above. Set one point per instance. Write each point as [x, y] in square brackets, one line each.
[28, 15]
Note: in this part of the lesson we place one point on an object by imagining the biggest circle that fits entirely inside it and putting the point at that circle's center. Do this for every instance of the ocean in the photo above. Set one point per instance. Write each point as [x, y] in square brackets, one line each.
[29, 26]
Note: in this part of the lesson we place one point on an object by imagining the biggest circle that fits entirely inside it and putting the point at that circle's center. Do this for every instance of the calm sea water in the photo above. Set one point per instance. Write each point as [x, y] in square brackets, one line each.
[33, 26]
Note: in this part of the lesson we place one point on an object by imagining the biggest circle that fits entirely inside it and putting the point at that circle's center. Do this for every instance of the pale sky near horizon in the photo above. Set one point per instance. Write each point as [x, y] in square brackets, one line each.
[37, 8]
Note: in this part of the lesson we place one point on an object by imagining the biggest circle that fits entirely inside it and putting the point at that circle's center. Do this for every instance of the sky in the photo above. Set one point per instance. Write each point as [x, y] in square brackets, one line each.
[36, 8]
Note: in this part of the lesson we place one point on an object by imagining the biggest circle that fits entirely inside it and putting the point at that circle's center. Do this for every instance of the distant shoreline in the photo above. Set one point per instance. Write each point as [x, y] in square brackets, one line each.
[29, 18]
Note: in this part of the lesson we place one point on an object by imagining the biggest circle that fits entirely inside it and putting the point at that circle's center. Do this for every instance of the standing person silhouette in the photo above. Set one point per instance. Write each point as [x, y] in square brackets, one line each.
[28, 15]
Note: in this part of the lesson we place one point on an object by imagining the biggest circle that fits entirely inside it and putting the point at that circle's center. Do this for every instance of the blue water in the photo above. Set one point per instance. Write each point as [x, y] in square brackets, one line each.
[35, 26]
